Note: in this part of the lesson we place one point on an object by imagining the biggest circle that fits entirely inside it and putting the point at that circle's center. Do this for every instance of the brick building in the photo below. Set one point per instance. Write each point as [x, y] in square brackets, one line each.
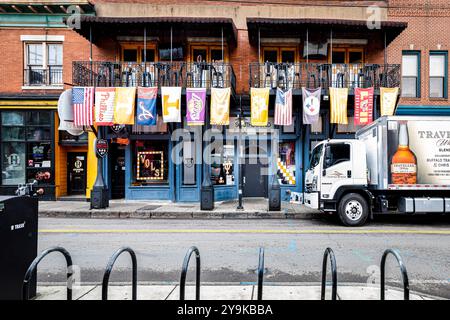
[236, 44]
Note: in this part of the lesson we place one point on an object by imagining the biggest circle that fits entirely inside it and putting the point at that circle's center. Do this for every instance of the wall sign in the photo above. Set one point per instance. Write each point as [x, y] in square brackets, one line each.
[150, 165]
[116, 128]
[101, 148]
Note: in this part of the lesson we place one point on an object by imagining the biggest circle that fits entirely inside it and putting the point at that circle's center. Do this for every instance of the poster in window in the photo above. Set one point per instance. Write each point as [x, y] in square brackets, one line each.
[150, 165]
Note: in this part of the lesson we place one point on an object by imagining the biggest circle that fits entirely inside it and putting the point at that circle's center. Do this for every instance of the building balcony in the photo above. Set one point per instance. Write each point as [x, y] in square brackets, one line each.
[154, 74]
[312, 75]
[50, 76]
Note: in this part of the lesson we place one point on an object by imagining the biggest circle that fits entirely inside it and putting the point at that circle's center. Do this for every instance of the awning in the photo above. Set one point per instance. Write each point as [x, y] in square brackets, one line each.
[288, 28]
[158, 27]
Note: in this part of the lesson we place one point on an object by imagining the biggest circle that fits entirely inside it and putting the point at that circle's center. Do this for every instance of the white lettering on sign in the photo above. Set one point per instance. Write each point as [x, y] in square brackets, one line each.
[18, 226]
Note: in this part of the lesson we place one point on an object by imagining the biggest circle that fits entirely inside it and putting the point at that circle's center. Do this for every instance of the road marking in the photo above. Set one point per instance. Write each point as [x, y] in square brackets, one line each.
[254, 231]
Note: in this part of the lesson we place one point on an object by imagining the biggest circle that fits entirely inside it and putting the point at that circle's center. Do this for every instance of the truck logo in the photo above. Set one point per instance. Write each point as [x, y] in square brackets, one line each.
[18, 226]
[336, 174]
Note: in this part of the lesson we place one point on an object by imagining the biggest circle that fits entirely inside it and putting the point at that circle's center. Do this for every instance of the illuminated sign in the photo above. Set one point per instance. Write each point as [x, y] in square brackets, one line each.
[150, 165]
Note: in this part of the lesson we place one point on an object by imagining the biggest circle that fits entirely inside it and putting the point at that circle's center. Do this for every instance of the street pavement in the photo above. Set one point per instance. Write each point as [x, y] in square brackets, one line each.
[229, 250]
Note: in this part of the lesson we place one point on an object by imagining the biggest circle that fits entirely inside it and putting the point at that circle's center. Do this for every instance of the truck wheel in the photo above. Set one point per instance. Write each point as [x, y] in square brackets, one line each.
[353, 210]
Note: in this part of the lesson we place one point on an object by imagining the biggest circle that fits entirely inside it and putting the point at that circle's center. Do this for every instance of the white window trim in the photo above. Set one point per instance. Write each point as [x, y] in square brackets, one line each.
[43, 87]
[43, 38]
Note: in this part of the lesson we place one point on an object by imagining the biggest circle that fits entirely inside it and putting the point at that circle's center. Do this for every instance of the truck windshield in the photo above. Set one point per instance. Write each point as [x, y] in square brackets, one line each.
[315, 156]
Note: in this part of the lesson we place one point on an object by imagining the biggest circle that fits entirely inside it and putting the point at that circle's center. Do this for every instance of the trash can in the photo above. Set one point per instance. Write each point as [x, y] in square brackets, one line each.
[18, 244]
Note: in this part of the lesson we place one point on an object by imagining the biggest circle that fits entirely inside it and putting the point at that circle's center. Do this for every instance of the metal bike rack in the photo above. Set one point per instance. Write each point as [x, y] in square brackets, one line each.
[402, 269]
[184, 272]
[109, 267]
[33, 266]
[260, 273]
[329, 252]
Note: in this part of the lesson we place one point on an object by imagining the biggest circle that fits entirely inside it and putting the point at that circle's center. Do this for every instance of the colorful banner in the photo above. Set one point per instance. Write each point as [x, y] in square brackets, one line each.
[388, 97]
[146, 106]
[259, 105]
[283, 108]
[338, 105]
[104, 106]
[363, 106]
[124, 105]
[195, 106]
[311, 105]
[171, 104]
[220, 106]
[83, 106]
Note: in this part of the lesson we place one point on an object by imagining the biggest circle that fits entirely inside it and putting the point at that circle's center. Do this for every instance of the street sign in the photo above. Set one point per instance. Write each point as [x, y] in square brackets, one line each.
[101, 148]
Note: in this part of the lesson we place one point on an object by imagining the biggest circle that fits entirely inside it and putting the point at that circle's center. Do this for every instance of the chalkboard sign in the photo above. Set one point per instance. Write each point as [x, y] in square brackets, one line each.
[150, 165]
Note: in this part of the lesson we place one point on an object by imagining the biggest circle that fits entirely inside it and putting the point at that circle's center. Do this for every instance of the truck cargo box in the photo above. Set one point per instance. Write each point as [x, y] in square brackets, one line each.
[429, 142]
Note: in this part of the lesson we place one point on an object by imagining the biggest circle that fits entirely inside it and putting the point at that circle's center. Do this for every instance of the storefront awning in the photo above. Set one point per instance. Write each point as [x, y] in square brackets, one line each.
[290, 28]
[182, 27]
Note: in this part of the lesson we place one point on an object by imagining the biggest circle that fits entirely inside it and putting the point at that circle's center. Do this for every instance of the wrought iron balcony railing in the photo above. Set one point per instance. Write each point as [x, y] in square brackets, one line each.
[39, 76]
[313, 75]
[153, 74]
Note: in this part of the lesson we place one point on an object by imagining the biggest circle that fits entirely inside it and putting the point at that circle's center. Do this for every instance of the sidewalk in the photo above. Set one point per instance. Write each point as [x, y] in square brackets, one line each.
[226, 292]
[254, 208]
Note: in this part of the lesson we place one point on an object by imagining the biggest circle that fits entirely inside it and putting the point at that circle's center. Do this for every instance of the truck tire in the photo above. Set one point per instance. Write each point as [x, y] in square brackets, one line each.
[353, 210]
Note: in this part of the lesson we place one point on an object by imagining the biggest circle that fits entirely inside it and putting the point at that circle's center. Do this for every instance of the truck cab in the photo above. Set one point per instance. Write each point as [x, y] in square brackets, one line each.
[337, 178]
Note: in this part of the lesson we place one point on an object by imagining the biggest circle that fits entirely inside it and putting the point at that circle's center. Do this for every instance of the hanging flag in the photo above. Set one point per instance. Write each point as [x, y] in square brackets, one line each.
[283, 108]
[104, 106]
[363, 106]
[83, 106]
[220, 106]
[311, 105]
[388, 97]
[195, 106]
[259, 106]
[146, 106]
[338, 105]
[171, 104]
[124, 105]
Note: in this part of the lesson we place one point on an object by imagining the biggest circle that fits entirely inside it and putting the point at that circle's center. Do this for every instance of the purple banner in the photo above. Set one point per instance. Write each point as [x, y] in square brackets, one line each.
[195, 106]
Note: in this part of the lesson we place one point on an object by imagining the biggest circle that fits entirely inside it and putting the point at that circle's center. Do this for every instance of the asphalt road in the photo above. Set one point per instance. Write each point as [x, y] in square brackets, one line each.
[229, 249]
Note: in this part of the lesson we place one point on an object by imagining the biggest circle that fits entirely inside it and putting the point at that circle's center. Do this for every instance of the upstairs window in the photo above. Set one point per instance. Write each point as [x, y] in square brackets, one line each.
[411, 74]
[438, 74]
[43, 64]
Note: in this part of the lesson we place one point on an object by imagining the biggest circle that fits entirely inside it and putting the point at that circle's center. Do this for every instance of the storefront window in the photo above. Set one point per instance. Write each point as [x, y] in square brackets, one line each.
[67, 138]
[348, 128]
[26, 147]
[222, 165]
[286, 163]
[188, 163]
[150, 162]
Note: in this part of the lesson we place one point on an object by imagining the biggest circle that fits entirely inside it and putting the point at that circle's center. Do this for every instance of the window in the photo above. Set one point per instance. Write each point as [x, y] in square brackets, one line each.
[286, 163]
[348, 128]
[438, 74]
[136, 53]
[279, 54]
[67, 138]
[43, 64]
[189, 162]
[222, 164]
[150, 162]
[411, 74]
[315, 156]
[26, 147]
[335, 154]
[208, 53]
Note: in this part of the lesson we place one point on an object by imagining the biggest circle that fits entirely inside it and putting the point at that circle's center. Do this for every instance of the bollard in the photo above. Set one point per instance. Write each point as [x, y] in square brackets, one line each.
[275, 195]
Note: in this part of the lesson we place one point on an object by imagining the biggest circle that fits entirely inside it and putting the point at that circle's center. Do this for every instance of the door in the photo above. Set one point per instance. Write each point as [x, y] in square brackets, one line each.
[76, 167]
[117, 158]
[255, 172]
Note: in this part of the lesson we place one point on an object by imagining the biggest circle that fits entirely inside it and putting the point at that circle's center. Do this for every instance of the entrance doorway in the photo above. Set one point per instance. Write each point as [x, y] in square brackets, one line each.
[76, 166]
[255, 172]
[117, 158]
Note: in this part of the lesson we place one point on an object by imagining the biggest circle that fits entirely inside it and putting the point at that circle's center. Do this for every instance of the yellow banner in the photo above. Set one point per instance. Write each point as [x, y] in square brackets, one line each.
[259, 105]
[338, 105]
[220, 106]
[388, 97]
[124, 105]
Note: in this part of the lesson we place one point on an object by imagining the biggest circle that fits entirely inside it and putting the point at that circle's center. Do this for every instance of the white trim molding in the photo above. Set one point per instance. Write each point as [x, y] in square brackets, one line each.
[35, 37]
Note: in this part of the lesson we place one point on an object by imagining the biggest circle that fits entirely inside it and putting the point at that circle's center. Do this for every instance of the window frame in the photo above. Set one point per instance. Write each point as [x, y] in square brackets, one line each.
[45, 63]
[417, 54]
[279, 49]
[208, 47]
[445, 79]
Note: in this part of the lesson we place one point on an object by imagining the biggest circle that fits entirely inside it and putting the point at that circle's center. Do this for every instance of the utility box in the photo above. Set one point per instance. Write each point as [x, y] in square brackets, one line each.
[18, 249]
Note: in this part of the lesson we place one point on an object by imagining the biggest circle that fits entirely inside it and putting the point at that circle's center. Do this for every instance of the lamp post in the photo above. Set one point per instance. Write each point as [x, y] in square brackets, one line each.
[99, 193]
[241, 176]
[207, 189]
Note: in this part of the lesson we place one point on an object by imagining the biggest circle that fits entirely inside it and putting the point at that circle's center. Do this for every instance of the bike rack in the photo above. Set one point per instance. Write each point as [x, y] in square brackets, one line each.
[184, 269]
[402, 269]
[33, 266]
[329, 252]
[109, 267]
[260, 273]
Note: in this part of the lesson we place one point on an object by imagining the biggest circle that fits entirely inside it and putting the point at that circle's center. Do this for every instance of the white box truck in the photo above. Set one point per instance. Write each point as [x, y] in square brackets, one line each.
[396, 164]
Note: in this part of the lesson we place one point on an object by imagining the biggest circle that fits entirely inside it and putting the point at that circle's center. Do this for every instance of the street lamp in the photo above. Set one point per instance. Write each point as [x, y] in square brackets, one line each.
[241, 176]
[207, 189]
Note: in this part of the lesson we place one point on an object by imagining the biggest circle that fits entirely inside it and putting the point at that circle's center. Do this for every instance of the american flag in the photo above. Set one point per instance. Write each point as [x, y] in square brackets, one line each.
[83, 106]
[283, 108]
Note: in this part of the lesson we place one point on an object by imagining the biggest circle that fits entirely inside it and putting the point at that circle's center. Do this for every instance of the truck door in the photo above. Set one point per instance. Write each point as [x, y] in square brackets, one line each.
[336, 170]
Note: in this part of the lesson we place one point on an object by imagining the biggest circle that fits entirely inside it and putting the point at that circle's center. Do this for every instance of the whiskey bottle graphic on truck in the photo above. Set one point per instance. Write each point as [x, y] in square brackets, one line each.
[404, 161]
